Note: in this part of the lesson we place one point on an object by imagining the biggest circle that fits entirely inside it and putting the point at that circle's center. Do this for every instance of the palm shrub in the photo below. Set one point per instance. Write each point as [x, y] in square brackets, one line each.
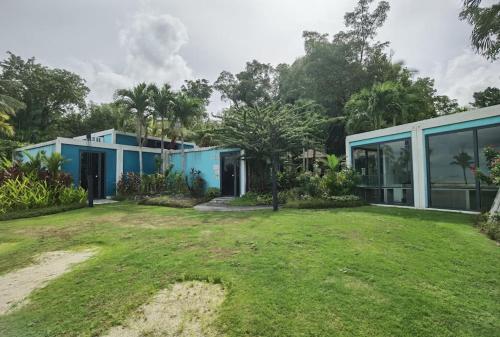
[338, 180]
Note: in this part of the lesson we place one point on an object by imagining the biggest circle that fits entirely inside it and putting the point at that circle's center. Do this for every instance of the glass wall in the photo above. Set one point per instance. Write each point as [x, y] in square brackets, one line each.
[452, 158]
[386, 172]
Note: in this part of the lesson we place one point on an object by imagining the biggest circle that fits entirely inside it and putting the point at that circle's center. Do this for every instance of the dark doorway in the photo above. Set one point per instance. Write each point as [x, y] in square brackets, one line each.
[93, 161]
[230, 173]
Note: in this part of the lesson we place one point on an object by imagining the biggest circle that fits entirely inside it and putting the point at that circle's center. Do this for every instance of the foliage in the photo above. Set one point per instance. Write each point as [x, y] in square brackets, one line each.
[330, 202]
[488, 97]
[199, 89]
[309, 184]
[30, 192]
[196, 183]
[259, 199]
[339, 182]
[265, 133]
[8, 108]
[31, 213]
[485, 37]
[53, 163]
[172, 201]
[129, 184]
[176, 184]
[46, 94]
[489, 225]
[212, 192]
[287, 179]
[492, 175]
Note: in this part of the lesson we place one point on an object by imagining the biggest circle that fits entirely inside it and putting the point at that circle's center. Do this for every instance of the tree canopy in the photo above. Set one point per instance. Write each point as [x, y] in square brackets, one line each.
[488, 97]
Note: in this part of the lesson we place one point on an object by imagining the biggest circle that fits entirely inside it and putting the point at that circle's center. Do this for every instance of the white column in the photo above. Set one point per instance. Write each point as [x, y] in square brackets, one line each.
[419, 165]
[58, 145]
[119, 164]
[243, 174]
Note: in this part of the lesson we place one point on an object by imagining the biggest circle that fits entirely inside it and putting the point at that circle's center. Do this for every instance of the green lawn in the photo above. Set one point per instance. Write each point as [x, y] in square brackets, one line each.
[370, 271]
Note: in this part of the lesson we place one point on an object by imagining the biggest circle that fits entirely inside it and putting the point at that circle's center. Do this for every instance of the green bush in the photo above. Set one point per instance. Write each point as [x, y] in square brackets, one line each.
[329, 202]
[309, 184]
[196, 183]
[30, 213]
[212, 192]
[176, 184]
[28, 192]
[489, 225]
[337, 183]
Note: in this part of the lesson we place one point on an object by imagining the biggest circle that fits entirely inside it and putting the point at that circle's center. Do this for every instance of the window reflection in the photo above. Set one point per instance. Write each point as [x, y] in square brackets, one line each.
[487, 137]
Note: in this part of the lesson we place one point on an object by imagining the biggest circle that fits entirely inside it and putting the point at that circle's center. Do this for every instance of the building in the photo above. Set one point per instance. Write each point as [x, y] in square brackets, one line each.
[111, 153]
[428, 164]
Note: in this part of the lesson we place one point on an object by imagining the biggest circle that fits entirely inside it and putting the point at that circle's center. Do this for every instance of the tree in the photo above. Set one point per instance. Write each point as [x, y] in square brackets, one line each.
[162, 100]
[488, 97]
[362, 27]
[446, 106]
[199, 89]
[47, 94]
[255, 85]
[8, 108]
[464, 160]
[265, 133]
[186, 109]
[138, 104]
[485, 21]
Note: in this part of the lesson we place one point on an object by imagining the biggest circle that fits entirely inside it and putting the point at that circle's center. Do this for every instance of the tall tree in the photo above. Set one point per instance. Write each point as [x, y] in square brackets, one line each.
[265, 133]
[199, 89]
[488, 97]
[47, 94]
[162, 100]
[485, 21]
[138, 104]
[8, 108]
[255, 85]
[362, 27]
[186, 109]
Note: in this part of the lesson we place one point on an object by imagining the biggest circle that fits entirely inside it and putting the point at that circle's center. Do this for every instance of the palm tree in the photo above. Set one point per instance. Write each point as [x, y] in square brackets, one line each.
[8, 108]
[54, 163]
[162, 100]
[138, 103]
[464, 160]
[185, 109]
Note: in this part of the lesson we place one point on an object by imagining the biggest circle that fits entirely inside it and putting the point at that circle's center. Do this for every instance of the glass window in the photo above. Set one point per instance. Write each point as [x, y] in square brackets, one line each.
[451, 160]
[396, 172]
[487, 137]
[386, 172]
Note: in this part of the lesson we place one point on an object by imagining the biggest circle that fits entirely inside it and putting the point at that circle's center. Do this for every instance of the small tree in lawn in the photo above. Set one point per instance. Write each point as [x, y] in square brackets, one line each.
[267, 132]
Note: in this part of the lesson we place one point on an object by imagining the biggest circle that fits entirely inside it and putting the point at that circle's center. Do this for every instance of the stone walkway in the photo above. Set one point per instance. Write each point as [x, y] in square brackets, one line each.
[104, 201]
[221, 204]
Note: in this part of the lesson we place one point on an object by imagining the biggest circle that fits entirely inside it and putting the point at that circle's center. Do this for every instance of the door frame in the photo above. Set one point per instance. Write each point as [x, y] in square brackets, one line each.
[236, 187]
[101, 169]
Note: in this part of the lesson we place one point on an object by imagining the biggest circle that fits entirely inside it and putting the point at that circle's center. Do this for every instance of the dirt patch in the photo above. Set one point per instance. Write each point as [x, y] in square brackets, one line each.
[17, 285]
[187, 309]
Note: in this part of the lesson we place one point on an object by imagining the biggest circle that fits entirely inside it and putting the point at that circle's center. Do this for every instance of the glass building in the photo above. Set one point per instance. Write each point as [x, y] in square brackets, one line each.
[428, 164]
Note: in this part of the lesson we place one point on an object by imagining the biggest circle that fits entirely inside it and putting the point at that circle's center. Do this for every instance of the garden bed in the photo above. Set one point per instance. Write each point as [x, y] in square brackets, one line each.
[30, 213]
[172, 201]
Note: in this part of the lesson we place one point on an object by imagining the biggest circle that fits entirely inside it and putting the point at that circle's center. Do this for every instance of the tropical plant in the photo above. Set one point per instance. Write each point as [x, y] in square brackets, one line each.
[485, 37]
[162, 100]
[54, 163]
[186, 109]
[34, 163]
[464, 160]
[138, 103]
[8, 108]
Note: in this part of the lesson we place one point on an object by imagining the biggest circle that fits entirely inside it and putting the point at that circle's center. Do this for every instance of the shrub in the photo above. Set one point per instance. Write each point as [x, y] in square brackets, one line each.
[129, 184]
[196, 183]
[336, 183]
[329, 202]
[489, 225]
[176, 184]
[212, 192]
[309, 184]
[287, 179]
[152, 183]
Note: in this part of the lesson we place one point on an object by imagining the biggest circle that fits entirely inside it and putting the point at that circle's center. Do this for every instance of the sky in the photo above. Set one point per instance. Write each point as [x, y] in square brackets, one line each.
[118, 43]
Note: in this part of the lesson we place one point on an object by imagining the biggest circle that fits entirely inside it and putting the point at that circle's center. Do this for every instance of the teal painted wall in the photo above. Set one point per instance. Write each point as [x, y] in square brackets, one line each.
[131, 162]
[463, 125]
[72, 153]
[207, 161]
[49, 149]
[126, 140]
[108, 139]
[381, 139]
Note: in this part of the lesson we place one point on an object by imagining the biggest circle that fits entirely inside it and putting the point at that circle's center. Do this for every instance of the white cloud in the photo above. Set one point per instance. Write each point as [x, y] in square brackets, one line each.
[465, 74]
[151, 45]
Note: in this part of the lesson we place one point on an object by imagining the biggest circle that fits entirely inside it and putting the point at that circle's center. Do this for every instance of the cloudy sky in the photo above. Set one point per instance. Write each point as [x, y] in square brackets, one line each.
[116, 43]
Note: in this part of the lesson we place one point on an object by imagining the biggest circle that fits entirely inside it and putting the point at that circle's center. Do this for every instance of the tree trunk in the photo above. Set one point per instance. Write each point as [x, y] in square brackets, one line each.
[183, 154]
[139, 141]
[162, 147]
[274, 167]
[495, 208]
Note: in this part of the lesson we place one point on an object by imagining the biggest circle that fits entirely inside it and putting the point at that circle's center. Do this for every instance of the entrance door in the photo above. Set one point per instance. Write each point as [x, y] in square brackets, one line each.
[230, 173]
[93, 162]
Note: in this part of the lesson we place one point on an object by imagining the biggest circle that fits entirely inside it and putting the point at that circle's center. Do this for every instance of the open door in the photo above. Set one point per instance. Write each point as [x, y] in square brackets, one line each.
[93, 162]
[230, 173]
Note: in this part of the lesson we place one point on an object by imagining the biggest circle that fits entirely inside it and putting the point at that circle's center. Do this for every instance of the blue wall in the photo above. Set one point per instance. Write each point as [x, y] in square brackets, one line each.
[108, 139]
[131, 162]
[126, 140]
[49, 149]
[72, 153]
[207, 161]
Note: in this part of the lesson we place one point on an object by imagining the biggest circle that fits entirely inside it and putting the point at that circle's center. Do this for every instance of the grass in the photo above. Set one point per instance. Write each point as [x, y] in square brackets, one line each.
[367, 271]
[169, 201]
[30, 213]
